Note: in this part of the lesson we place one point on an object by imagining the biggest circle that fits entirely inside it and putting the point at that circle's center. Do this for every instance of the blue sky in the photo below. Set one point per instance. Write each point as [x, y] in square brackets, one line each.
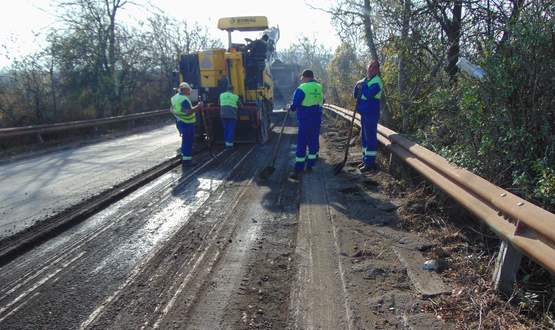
[24, 23]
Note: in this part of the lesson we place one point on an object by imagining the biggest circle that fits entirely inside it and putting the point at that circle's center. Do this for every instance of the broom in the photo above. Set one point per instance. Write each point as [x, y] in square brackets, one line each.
[269, 170]
[338, 167]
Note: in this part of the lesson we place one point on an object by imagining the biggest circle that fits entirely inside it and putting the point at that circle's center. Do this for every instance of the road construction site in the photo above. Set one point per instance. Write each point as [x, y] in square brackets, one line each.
[216, 247]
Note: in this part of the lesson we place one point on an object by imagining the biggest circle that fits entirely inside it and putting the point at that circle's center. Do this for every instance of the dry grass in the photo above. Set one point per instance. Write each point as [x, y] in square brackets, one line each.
[470, 251]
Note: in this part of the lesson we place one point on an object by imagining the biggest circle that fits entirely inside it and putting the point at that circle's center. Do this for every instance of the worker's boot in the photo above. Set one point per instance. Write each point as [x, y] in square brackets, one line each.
[187, 164]
[369, 169]
[295, 175]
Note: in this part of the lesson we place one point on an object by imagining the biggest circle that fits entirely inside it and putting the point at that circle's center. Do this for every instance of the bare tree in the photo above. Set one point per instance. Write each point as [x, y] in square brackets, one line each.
[28, 76]
[449, 16]
[97, 21]
[352, 16]
[403, 58]
[369, 29]
[169, 37]
[309, 54]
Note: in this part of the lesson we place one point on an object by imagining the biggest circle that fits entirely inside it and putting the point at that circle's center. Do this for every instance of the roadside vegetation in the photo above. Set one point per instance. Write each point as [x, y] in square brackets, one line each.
[500, 126]
[96, 65]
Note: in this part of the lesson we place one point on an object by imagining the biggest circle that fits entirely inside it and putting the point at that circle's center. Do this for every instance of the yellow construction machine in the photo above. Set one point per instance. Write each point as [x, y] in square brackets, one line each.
[244, 66]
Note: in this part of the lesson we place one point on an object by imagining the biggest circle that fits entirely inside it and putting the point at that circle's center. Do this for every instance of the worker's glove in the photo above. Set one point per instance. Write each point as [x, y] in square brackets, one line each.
[358, 88]
[292, 108]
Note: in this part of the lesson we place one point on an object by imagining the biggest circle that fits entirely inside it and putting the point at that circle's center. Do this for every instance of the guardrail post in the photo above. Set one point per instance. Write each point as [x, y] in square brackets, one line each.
[506, 267]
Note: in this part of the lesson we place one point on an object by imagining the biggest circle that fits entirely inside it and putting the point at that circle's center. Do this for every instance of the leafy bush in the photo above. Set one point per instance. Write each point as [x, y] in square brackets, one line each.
[502, 128]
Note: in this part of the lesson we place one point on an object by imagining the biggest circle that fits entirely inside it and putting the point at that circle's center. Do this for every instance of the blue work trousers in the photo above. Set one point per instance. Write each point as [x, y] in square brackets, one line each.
[187, 133]
[229, 131]
[307, 137]
[369, 138]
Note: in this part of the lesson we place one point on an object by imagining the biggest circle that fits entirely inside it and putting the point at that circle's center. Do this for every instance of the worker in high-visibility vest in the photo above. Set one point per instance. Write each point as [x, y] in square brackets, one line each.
[307, 102]
[185, 115]
[229, 103]
[368, 92]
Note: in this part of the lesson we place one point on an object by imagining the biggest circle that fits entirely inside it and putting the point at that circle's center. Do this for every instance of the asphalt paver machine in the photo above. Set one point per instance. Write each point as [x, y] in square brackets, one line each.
[243, 66]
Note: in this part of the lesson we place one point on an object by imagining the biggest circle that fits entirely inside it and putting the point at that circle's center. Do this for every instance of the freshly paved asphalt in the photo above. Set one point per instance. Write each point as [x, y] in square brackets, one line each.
[35, 188]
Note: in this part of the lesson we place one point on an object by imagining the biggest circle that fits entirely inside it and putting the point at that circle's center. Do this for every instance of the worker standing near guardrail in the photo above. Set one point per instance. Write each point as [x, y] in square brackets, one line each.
[368, 92]
[307, 102]
[229, 103]
[185, 113]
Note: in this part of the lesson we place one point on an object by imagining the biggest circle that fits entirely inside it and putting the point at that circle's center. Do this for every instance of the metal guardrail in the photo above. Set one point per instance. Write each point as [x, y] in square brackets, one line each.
[40, 129]
[524, 225]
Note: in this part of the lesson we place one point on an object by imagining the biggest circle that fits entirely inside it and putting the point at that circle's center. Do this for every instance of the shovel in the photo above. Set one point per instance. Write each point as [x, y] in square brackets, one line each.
[269, 170]
[338, 167]
[208, 133]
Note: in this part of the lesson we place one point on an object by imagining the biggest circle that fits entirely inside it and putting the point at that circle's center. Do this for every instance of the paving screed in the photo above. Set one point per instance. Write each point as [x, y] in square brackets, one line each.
[220, 249]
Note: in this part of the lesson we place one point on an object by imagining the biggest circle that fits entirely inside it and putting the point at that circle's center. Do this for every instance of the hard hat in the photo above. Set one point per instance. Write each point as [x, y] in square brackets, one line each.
[184, 85]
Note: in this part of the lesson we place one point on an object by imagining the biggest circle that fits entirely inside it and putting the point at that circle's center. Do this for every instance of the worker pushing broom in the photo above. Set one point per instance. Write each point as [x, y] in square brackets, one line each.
[307, 102]
[367, 93]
